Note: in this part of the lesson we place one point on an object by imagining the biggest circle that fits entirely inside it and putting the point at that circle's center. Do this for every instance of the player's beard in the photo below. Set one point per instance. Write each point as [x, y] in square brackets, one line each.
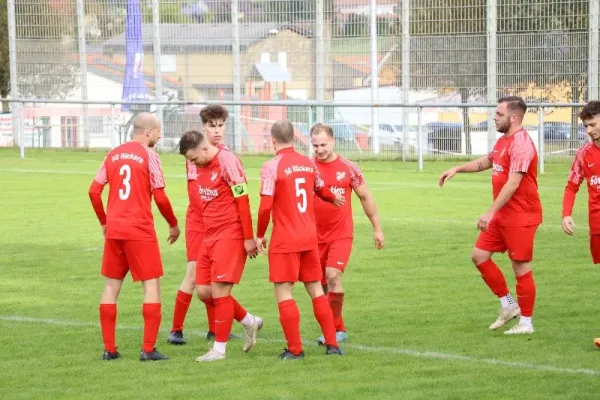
[502, 128]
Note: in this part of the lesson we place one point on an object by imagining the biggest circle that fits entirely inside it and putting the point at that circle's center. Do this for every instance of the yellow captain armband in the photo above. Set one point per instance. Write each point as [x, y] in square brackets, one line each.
[240, 190]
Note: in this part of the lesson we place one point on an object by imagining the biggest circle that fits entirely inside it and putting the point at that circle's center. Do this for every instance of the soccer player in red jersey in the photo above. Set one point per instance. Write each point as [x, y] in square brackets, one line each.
[213, 125]
[514, 216]
[134, 175]
[286, 185]
[586, 166]
[335, 226]
[228, 239]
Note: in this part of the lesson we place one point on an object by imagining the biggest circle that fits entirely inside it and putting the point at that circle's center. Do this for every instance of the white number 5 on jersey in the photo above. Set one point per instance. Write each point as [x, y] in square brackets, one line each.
[301, 194]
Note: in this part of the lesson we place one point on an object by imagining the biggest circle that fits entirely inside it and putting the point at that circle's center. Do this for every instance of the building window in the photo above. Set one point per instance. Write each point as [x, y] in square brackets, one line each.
[96, 126]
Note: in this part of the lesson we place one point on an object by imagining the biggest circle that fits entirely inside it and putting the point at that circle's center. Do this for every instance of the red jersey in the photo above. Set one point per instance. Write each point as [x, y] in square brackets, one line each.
[132, 171]
[587, 166]
[340, 176]
[193, 216]
[290, 178]
[516, 153]
[217, 180]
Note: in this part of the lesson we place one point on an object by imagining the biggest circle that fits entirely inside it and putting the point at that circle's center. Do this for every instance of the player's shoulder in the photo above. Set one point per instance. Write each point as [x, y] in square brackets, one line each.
[581, 151]
[226, 156]
[348, 163]
[273, 163]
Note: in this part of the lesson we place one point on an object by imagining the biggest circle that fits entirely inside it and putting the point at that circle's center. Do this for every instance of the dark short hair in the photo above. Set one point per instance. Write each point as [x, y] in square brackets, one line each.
[190, 140]
[213, 112]
[514, 103]
[319, 127]
[590, 110]
[283, 131]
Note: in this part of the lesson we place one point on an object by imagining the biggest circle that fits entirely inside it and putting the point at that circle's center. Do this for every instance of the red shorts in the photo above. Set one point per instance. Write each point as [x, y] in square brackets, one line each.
[140, 257]
[518, 240]
[221, 261]
[303, 266]
[193, 241]
[335, 254]
[595, 248]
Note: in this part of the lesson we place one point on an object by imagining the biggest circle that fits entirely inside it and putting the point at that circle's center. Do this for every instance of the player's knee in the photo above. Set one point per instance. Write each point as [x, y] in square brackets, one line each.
[478, 256]
[203, 292]
[334, 278]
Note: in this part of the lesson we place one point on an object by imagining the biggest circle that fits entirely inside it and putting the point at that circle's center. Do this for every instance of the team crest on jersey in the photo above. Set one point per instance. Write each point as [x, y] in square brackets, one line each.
[340, 175]
[214, 176]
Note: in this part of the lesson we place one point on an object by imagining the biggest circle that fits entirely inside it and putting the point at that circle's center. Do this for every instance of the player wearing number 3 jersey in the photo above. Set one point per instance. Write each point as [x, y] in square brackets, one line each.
[134, 175]
[287, 184]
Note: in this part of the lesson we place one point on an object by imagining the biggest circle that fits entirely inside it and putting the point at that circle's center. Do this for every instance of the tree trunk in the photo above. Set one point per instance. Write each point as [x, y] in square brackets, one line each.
[574, 142]
[464, 98]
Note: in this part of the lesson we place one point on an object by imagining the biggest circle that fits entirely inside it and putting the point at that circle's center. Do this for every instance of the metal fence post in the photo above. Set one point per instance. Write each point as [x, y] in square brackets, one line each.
[374, 78]
[83, 122]
[21, 130]
[113, 139]
[541, 162]
[492, 88]
[237, 80]
[320, 59]
[594, 42]
[14, 78]
[310, 124]
[420, 138]
[157, 51]
[405, 74]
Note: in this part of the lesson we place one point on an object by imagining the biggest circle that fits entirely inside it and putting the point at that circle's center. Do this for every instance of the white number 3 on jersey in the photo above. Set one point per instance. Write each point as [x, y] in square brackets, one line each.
[125, 191]
[301, 194]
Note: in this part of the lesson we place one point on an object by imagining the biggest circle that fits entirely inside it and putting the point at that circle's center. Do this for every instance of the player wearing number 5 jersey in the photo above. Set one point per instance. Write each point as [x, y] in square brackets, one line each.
[287, 185]
[134, 175]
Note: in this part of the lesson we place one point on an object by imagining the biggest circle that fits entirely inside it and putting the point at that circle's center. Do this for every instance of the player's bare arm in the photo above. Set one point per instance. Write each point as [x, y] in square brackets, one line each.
[509, 188]
[370, 208]
[478, 165]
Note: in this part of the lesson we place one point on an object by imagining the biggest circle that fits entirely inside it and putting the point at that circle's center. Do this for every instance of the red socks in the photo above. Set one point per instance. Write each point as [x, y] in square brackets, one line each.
[336, 302]
[239, 312]
[152, 316]
[493, 277]
[289, 316]
[108, 321]
[182, 304]
[223, 318]
[526, 293]
[324, 316]
[210, 313]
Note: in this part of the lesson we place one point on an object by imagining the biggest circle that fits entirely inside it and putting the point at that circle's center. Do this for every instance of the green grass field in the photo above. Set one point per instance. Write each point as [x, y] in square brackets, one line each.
[417, 312]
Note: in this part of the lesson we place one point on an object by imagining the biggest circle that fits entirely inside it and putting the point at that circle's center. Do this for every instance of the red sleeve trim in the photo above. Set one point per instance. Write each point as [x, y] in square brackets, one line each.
[164, 206]
[264, 215]
[243, 206]
[95, 193]
[326, 194]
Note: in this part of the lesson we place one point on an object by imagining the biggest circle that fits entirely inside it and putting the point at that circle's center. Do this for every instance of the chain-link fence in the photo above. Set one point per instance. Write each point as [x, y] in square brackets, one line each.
[55, 125]
[418, 52]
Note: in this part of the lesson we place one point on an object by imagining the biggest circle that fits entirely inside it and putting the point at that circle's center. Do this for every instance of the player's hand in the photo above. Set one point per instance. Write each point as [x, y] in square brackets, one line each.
[104, 230]
[484, 221]
[173, 234]
[251, 248]
[568, 225]
[446, 176]
[261, 243]
[378, 236]
[340, 200]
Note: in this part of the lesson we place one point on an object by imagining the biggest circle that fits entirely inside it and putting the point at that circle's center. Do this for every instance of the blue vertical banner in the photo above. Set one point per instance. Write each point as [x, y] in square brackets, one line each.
[134, 86]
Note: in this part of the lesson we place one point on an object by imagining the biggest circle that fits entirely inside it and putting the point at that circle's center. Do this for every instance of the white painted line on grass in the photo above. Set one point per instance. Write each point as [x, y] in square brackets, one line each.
[434, 355]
